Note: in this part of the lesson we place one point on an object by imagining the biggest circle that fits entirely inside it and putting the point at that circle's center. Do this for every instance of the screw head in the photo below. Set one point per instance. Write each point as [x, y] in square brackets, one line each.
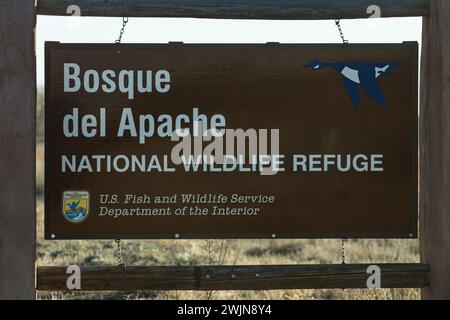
[274, 235]
[52, 236]
[177, 235]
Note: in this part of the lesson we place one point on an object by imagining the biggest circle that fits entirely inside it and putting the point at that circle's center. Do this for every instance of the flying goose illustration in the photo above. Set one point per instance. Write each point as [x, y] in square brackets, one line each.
[359, 74]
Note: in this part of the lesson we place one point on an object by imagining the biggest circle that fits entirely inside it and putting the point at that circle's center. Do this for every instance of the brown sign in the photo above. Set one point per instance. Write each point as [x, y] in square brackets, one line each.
[231, 141]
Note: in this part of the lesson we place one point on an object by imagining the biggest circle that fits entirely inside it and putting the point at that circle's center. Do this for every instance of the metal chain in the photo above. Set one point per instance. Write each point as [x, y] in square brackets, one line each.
[124, 24]
[119, 256]
[343, 240]
[344, 41]
[341, 33]
[121, 263]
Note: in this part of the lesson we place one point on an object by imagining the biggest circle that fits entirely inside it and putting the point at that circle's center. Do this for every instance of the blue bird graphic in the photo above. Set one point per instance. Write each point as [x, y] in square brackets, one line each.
[363, 74]
[73, 206]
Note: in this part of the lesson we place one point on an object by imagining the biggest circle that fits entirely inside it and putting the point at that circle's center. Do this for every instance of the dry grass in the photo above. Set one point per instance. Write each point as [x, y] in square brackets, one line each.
[195, 252]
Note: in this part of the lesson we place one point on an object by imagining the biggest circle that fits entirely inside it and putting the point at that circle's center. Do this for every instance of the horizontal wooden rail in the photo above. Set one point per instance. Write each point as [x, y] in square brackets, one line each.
[264, 277]
[237, 9]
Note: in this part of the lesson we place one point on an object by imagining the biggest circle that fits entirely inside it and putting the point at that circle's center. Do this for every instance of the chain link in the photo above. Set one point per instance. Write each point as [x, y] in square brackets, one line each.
[343, 240]
[341, 33]
[119, 256]
[121, 263]
[124, 24]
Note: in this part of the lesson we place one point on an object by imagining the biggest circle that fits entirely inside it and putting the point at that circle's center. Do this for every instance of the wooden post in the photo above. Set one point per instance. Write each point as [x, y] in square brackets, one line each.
[247, 277]
[435, 150]
[17, 155]
[237, 9]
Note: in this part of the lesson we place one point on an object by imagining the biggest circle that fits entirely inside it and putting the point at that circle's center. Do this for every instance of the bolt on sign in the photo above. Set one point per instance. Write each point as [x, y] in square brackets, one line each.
[231, 141]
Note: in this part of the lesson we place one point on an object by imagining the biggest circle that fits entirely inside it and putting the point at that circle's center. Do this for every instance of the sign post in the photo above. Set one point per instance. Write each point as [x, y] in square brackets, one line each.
[17, 159]
[435, 150]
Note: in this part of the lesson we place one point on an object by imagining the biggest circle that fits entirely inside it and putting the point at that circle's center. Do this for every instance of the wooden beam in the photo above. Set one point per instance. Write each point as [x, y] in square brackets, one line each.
[17, 157]
[264, 277]
[435, 150]
[238, 9]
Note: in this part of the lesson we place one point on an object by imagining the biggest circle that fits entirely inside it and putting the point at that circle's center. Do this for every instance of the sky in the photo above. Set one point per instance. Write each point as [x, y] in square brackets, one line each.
[163, 30]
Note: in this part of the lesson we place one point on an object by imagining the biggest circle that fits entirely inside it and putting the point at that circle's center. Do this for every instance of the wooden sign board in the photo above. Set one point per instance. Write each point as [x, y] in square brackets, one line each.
[231, 141]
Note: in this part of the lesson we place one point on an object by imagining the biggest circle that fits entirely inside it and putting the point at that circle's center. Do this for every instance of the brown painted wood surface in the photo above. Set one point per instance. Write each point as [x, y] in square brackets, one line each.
[17, 142]
[248, 277]
[435, 150]
[252, 86]
[238, 9]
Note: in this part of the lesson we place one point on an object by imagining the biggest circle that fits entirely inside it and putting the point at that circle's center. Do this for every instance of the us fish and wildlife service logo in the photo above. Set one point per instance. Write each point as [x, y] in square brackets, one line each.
[75, 206]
